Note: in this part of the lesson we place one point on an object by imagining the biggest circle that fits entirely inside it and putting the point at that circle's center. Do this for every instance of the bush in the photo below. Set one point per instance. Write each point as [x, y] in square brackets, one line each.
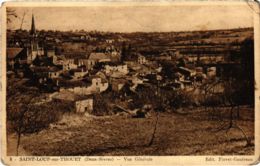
[100, 105]
[33, 118]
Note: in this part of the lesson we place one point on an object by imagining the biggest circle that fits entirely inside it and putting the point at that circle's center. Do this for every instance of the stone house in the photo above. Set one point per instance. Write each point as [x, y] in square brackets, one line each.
[118, 84]
[50, 53]
[84, 105]
[110, 41]
[178, 76]
[99, 84]
[72, 60]
[99, 57]
[15, 55]
[58, 60]
[54, 72]
[41, 74]
[78, 73]
[211, 72]
[69, 64]
[116, 68]
[92, 85]
[188, 73]
[81, 103]
[89, 64]
[115, 56]
[141, 59]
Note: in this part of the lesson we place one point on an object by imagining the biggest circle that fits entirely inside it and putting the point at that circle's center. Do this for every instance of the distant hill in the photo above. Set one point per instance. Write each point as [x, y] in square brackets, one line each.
[192, 42]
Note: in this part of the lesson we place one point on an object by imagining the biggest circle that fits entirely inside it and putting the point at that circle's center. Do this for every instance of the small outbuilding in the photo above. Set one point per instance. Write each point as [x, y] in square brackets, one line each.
[81, 103]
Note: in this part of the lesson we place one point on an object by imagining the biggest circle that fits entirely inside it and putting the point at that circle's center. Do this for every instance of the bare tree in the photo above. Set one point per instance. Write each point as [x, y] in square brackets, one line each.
[16, 114]
[227, 98]
[229, 101]
[211, 99]
[237, 89]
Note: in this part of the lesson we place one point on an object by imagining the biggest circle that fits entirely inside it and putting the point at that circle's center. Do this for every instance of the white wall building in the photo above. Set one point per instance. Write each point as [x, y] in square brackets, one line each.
[85, 105]
[141, 59]
[109, 69]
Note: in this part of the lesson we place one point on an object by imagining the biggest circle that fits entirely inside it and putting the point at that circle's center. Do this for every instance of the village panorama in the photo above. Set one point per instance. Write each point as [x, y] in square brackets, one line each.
[97, 93]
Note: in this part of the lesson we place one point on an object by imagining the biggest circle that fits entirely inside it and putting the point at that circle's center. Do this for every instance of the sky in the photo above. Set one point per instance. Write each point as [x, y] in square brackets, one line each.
[134, 18]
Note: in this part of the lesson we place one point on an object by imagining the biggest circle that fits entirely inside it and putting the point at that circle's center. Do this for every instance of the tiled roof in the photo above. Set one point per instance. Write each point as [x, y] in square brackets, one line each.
[72, 84]
[43, 69]
[69, 96]
[81, 69]
[13, 52]
[78, 55]
[98, 56]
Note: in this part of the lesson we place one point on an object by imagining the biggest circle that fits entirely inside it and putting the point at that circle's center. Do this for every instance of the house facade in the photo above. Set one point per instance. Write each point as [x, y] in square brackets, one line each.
[98, 85]
[15, 55]
[81, 103]
[211, 71]
[121, 68]
[54, 73]
[85, 105]
[89, 64]
[69, 64]
[99, 57]
[141, 59]
[78, 73]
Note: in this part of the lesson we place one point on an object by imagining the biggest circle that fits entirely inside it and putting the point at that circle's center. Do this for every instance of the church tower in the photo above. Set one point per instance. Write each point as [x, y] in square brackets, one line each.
[33, 36]
[33, 30]
[34, 49]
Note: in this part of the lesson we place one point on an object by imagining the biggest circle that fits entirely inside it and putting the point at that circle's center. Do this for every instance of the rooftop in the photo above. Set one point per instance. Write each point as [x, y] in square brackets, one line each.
[75, 55]
[43, 69]
[13, 52]
[114, 63]
[69, 96]
[80, 69]
[98, 56]
[72, 84]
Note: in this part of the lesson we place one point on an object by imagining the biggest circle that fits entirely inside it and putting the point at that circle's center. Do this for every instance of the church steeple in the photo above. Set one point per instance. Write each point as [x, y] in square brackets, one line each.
[34, 49]
[33, 36]
[33, 30]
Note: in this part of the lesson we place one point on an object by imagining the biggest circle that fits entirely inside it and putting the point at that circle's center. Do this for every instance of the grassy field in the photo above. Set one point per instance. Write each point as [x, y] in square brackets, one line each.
[191, 133]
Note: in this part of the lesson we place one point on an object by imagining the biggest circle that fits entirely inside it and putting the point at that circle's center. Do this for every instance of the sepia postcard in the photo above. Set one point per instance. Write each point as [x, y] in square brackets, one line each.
[130, 83]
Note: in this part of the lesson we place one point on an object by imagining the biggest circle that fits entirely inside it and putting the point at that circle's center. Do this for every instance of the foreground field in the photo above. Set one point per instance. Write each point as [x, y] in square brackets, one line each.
[191, 133]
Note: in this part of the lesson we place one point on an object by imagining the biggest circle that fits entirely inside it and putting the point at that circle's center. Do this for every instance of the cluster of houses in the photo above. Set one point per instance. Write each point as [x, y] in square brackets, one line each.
[76, 77]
